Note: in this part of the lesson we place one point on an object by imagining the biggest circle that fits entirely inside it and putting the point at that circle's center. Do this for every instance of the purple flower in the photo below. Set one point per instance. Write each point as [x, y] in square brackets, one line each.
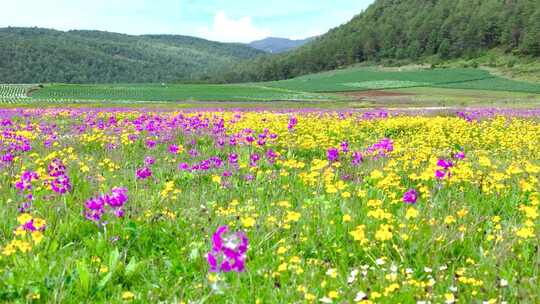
[344, 147]
[143, 173]
[332, 154]
[193, 153]
[253, 159]
[233, 159]
[410, 197]
[228, 251]
[271, 155]
[293, 121]
[61, 184]
[174, 149]
[460, 155]
[445, 164]
[7, 158]
[357, 158]
[150, 144]
[184, 167]
[381, 148]
[25, 183]
[440, 174]
[149, 161]
[56, 168]
[95, 208]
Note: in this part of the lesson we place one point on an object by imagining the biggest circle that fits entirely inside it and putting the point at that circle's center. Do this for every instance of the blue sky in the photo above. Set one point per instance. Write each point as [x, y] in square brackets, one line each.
[222, 20]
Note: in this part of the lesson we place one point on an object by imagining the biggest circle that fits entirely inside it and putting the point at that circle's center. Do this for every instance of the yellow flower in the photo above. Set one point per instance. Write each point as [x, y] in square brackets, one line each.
[449, 298]
[248, 222]
[346, 218]
[526, 232]
[127, 296]
[216, 179]
[376, 174]
[375, 295]
[449, 220]
[282, 267]
[24, 218]
[384, 233]
[292, 216]
[346, 194]
[20, 231]
[530, 212]
[411, 213]
[333, 294]
[359, 234]
[37, 237]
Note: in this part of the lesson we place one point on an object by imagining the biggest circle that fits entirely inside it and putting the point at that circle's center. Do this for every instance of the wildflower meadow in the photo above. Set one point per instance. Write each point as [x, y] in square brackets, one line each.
[209, 206]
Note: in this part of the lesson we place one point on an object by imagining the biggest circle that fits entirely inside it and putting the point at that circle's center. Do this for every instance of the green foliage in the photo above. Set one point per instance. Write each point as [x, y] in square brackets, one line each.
[44, 56]
[13, 93]
[409, 29]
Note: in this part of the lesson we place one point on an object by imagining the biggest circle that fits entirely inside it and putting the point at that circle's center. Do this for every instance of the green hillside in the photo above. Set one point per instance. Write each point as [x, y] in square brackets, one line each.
[34, 55]
[360, 79]
[408, 30]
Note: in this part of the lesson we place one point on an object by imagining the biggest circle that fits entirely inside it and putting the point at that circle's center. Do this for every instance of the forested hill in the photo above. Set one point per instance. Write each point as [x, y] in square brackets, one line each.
[34, 55]
[409, 29]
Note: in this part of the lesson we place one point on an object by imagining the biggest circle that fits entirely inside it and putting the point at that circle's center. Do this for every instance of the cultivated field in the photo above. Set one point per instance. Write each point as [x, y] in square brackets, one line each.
[444, 87]
[360, 79]
[118, 205]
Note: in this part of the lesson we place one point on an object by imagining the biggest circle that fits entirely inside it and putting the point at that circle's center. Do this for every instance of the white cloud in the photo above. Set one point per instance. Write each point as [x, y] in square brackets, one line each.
[230, 30]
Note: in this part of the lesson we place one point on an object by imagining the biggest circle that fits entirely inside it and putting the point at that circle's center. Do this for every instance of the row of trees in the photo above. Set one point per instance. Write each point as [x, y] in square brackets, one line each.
[407, 29]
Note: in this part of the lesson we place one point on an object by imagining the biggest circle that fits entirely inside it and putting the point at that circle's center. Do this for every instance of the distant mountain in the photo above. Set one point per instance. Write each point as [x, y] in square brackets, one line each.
[35, 55]
[278, 45]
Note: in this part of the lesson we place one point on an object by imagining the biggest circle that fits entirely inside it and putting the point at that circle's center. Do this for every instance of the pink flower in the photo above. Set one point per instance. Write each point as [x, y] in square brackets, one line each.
[228, 251]
[143, 173]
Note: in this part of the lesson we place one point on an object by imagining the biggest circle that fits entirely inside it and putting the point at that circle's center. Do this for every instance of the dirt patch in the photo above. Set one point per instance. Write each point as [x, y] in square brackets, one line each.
[361, 95]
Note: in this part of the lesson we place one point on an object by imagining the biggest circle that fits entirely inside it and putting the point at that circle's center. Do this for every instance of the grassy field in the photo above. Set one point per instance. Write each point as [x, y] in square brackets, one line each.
[116, 206]
[359, 79]
[172, 92]
[412, 87]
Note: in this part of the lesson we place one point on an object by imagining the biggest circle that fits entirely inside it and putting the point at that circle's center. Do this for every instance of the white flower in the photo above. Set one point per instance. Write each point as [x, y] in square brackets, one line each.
[504, 283]
[453, 288]
[427, 269]
[326, 300]
[360, 296]
[443, 267]
[380, 261]
[352, 276]
[393, 268]
[332, 272]
[409, 271]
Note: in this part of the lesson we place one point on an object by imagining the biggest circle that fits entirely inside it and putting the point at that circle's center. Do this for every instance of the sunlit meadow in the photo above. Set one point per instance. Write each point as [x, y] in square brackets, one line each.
[113, 205]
